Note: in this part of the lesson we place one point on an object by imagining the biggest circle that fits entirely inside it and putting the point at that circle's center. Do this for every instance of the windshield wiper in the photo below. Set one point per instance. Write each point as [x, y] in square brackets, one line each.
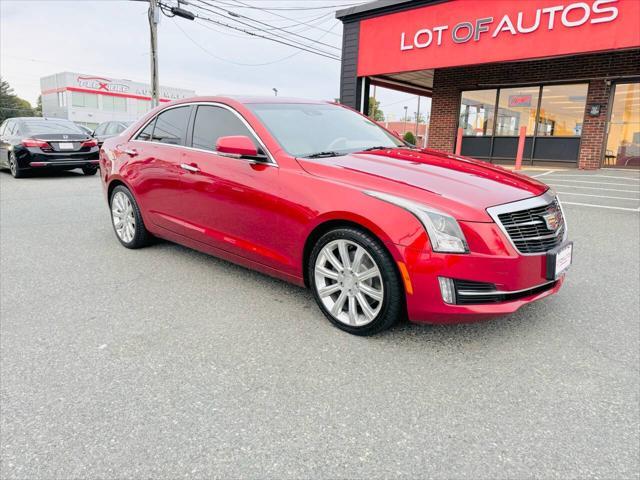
[382, 148]
[323, 155]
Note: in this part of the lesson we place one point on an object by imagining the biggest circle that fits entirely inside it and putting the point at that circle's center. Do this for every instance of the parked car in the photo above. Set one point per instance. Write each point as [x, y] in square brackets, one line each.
[36, 143]
[320, 196]
[85, 129]
[109, 129]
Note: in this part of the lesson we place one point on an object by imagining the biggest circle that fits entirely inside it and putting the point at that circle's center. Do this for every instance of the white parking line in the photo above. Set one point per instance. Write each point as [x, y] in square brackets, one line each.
[598, 196]
[591, 188]
[543, 174]
[601, 183]
[602, 206]
[635, 180]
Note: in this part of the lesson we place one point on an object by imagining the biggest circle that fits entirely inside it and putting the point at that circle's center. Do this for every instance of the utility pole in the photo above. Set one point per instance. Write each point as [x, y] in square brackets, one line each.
[417, 117]
[154, 19]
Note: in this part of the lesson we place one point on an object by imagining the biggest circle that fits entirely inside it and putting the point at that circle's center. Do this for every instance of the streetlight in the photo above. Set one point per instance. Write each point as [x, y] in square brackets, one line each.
[275, 91]
[405, 118]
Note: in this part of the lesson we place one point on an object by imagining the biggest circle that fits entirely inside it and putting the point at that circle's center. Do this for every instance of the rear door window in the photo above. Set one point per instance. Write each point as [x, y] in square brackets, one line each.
[212, 123]
[171, 126]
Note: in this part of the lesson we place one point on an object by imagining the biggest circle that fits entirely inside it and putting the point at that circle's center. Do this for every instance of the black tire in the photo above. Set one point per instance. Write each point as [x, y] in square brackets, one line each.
[393, 303]
[16, 171]
[141, 237]
[89, 170]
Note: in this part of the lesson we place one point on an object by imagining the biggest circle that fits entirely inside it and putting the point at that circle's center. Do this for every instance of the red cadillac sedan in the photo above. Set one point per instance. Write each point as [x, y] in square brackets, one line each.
[318, 195]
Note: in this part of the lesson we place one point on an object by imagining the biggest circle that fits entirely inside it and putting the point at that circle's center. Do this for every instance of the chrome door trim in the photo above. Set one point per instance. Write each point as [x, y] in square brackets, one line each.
[271, 162]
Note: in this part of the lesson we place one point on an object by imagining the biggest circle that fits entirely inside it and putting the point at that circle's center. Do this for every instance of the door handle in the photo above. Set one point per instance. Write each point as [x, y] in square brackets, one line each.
[132, 152]
[189, 168]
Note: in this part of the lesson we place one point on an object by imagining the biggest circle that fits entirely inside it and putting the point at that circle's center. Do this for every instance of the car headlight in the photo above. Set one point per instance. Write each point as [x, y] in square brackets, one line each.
[443, 230]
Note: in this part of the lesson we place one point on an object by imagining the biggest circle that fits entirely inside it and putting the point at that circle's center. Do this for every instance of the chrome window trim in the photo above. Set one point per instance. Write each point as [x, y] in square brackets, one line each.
[528, 203]
[271, 162]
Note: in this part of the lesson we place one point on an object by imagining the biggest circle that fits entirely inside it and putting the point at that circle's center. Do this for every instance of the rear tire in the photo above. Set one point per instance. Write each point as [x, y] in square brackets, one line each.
[127, 220]
[14, 168]
[361, 294]
[89, 170]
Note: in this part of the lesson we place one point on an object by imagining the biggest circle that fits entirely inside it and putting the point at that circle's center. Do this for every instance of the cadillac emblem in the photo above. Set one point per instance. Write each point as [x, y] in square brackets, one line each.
[552, 218]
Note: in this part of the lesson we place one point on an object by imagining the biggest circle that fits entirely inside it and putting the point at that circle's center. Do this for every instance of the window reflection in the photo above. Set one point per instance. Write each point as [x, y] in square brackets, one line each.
[517, 108]
[562, 110]
[476, 112]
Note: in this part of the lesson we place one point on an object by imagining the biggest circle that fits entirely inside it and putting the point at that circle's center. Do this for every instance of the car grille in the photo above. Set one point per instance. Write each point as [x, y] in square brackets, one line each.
[530, 232]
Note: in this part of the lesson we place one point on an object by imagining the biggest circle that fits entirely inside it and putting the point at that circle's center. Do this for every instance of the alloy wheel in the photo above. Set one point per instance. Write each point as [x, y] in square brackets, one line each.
[123, 217]
[12, 164]
[349, 283]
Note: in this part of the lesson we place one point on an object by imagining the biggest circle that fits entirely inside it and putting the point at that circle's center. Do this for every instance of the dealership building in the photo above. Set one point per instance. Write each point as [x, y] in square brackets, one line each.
[567, 71]
[93, 99]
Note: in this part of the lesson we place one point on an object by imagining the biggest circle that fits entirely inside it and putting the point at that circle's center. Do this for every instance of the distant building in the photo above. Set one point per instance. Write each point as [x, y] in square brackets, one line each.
[92, 99]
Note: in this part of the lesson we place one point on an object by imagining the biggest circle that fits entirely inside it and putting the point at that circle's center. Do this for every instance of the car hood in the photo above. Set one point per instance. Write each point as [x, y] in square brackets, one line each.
[462, 187]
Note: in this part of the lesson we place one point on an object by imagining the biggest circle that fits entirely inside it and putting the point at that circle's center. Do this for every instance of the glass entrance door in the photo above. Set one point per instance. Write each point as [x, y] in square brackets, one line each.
[623, 141]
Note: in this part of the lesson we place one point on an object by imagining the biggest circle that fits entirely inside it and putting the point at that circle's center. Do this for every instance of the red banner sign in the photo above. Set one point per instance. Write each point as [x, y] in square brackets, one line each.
[465, 32]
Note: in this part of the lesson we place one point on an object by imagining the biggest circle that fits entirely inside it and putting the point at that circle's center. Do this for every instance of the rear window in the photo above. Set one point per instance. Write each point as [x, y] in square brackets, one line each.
[42, 127]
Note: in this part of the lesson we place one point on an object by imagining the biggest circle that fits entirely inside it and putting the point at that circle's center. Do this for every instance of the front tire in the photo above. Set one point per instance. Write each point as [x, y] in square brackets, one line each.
[355, 281]
[16, 172]
[89, 170]
[127, 219]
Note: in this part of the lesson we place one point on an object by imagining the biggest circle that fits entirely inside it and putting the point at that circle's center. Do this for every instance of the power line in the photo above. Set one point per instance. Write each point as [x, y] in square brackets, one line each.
[208, 52]
[344, 5]
[233, 14]
[240, 4]
[277, 40]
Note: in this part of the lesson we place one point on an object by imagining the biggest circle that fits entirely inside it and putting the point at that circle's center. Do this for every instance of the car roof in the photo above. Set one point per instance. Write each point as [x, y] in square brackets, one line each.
[248, 99]
[50, 119]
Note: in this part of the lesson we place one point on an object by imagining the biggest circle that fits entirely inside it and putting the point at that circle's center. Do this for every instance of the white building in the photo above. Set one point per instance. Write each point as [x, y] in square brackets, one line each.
[91, 99]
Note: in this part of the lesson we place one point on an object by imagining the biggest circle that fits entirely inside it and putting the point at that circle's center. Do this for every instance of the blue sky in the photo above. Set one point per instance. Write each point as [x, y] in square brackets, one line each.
[111, 38]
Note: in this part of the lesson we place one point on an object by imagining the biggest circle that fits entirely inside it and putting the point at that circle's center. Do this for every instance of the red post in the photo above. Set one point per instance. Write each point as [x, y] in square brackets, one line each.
[459, 142]
[521, 139]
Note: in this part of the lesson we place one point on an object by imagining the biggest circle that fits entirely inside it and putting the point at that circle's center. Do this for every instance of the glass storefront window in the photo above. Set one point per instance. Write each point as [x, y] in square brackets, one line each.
[87, 100]
[623, 143]
[476, 112]
[517, 108]
[114, 104]
[562, 110]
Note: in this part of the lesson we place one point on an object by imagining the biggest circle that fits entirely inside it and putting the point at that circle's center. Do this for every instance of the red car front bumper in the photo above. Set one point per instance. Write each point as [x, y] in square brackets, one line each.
[498, 263]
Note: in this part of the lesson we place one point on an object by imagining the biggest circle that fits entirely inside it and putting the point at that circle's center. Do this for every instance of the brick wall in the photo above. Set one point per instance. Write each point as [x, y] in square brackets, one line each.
[448, 83]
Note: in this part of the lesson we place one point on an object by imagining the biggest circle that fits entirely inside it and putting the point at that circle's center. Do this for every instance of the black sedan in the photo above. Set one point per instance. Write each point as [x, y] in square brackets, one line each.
[29, 144]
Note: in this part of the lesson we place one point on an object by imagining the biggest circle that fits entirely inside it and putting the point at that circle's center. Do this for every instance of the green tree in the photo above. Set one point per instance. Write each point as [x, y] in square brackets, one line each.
[375, 113]
[11, 105]
[38, 110]
[410, 137]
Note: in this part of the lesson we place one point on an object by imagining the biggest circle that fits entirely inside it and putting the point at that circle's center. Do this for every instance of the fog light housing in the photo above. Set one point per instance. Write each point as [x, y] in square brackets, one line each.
[447, 289]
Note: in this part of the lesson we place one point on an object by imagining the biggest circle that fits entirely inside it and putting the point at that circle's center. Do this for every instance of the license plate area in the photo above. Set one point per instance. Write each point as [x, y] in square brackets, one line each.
[559, 260]
[65, 146]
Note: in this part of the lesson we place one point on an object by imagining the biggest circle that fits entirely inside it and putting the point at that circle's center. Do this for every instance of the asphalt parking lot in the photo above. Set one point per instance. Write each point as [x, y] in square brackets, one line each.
[167, 363]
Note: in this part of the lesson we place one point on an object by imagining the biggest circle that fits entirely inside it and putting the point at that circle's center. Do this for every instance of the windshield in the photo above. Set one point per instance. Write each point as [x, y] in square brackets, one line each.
[41, 127]
[305, 130]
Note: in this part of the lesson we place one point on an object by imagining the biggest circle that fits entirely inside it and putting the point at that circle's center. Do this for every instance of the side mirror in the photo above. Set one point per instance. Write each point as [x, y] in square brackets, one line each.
[238, 145]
